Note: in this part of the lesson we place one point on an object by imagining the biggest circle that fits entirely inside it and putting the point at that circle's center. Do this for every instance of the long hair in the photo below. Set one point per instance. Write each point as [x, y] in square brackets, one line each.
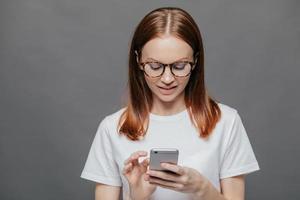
[204, 112]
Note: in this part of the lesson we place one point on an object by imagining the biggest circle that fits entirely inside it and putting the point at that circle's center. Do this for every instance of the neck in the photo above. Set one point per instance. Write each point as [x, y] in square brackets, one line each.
[168, 108]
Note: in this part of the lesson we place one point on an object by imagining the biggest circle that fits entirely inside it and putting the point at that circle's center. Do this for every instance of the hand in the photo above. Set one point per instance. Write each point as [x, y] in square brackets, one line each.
[135, 174]
[182, 179]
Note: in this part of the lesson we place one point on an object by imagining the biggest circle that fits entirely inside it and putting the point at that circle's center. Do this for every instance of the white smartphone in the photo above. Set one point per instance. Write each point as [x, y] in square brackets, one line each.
[159, 155]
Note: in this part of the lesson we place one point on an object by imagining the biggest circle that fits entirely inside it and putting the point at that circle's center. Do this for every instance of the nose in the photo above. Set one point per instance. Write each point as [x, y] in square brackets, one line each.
[167, 77]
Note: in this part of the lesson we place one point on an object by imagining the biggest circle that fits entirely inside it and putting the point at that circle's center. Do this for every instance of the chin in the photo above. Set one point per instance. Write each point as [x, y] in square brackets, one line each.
[167, 98]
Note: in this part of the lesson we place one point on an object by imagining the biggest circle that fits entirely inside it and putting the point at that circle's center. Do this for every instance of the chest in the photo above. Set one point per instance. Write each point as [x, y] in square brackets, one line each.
[194, 152]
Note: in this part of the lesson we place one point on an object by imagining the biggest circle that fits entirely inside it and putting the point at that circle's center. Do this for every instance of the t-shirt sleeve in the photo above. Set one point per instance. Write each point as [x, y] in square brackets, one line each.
[239, 157]
[100, 165]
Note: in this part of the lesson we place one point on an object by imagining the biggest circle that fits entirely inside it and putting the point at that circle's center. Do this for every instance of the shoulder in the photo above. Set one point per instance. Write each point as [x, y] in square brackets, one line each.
[228, 113]
[227, 110]
[111, 120]
[231, 123]
[115, 115]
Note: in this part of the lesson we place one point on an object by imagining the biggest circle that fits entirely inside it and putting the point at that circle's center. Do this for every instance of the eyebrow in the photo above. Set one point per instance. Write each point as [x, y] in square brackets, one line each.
[174, 61]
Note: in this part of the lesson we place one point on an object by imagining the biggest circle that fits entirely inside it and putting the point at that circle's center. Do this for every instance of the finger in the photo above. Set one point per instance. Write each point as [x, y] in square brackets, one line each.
[163, 186]
[140, 153]
[145, 162]
[174, 168]
[146, 177]
[164, 183]
[129, 160]
[170, 176]
[134, 156]
[127, 168]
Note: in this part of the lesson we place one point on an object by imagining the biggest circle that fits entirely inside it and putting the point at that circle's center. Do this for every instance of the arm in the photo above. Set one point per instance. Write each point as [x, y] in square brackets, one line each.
[232, 188]
[103, 191]
[189, 180]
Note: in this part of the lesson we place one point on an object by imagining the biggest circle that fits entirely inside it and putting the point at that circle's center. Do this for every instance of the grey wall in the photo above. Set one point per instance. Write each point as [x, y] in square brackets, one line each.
[63, 68]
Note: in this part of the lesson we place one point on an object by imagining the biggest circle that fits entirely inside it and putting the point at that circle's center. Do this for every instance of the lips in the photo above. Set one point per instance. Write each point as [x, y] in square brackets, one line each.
[167, 90]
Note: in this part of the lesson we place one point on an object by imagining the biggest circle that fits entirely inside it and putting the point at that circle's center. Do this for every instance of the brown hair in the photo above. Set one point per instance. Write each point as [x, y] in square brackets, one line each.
[203, 110]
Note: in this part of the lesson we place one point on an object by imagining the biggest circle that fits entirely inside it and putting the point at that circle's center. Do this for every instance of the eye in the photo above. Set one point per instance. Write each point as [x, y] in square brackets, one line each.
[155, 66]
[179, 65]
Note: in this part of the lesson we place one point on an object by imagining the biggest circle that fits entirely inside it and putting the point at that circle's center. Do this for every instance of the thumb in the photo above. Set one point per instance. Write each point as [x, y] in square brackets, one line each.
[145, 162]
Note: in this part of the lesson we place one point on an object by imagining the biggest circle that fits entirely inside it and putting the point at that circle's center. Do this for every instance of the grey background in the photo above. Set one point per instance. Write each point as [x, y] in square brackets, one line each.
[63, 67]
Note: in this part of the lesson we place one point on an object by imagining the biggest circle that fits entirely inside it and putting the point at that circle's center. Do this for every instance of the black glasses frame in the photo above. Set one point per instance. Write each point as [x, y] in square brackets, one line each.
[170, 65]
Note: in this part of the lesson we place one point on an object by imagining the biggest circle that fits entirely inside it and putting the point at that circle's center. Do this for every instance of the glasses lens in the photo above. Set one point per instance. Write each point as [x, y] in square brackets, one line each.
[153, 69]
[181, 68]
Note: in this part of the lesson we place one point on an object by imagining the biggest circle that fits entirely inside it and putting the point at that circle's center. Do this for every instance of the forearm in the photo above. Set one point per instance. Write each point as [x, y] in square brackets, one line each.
[137, 198]
[136, 195]
[208, 192]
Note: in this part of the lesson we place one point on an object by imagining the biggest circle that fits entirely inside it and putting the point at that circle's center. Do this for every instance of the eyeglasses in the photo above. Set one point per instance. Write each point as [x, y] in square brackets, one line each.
[156, 69]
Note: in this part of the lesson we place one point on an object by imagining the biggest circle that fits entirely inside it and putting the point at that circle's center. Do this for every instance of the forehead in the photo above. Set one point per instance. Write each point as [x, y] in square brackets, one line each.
[166, 49]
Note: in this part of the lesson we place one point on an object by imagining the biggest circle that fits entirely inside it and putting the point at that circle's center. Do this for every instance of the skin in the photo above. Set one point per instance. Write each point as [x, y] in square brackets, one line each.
[167, 49]
[142, 181]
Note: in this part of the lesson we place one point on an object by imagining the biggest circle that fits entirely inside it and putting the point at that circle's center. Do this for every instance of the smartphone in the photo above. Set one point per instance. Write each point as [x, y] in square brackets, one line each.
[159, 155]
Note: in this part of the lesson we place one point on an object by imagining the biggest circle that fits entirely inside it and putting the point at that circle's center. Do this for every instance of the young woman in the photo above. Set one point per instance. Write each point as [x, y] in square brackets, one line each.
[169, 107]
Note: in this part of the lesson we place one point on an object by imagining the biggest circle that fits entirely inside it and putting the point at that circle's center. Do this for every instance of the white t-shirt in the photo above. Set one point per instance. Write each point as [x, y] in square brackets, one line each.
[227, 153]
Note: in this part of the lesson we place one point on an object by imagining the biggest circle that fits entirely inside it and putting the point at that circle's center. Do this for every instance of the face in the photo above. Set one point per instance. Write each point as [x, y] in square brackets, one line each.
[167, 49]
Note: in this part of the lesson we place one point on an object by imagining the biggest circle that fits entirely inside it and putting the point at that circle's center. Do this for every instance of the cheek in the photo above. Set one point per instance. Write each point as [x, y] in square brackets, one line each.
[182, 84]
[150, 83]
[152, 86]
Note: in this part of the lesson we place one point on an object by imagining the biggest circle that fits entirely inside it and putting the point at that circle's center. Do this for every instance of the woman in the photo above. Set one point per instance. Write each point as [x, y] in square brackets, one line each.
[169, 107]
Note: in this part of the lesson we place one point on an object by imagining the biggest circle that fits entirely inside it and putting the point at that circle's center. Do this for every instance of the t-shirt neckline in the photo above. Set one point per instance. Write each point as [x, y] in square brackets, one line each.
[173, 117]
